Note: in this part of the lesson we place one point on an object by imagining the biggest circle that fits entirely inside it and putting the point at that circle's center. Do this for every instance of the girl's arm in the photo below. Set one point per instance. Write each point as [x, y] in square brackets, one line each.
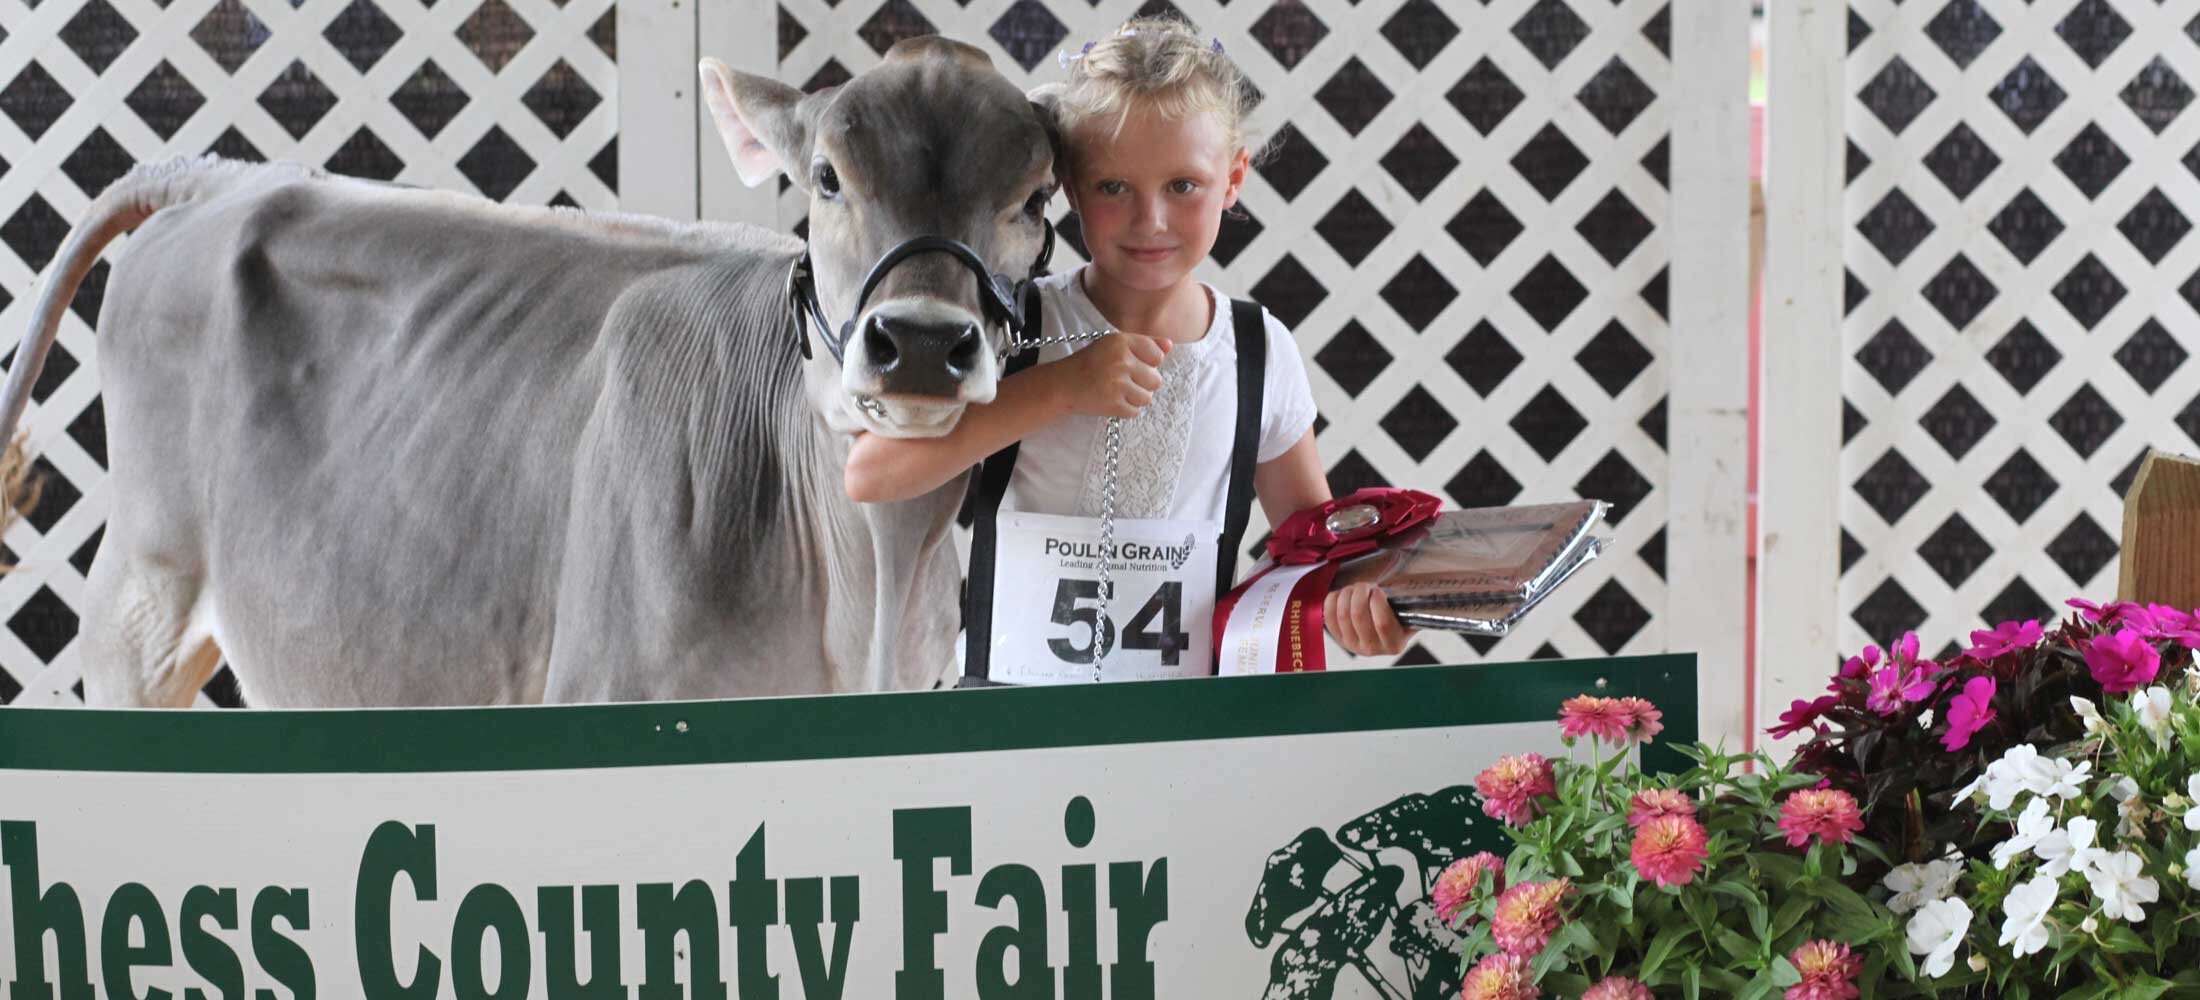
[1116, 376]
[1358, 615]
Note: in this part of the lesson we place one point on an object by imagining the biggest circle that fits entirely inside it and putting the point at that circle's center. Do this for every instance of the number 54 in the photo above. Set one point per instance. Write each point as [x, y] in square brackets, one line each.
[1077, 602]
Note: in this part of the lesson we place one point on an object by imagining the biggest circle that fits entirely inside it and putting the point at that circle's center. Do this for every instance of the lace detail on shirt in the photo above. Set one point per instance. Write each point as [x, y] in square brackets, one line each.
[1154, 445]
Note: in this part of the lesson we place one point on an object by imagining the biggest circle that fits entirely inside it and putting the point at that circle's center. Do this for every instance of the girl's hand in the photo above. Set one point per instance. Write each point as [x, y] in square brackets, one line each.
[1360, 617]
[1115, 377]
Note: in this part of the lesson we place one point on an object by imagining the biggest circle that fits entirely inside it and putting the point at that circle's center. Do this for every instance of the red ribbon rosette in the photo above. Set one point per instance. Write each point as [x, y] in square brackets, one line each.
[1336, 530]
[1306, 550]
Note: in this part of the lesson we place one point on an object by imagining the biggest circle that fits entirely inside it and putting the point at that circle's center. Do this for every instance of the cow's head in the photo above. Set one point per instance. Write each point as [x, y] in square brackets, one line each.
[931, 142]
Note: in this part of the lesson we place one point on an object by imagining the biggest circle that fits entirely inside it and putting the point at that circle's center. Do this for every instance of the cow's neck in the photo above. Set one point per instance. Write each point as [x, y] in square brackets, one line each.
[889, 573]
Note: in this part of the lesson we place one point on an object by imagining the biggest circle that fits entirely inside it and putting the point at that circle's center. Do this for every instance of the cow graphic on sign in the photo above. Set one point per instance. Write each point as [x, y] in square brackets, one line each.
[1381, 899]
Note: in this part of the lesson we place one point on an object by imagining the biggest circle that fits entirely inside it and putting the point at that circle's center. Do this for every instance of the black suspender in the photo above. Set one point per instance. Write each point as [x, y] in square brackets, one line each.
[990, 483]
[1252, 370]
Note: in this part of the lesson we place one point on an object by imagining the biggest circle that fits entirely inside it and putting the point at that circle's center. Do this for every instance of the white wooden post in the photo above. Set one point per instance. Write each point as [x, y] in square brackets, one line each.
[1799, 495]
[745, 34]
[657, 100]
[1708, 408]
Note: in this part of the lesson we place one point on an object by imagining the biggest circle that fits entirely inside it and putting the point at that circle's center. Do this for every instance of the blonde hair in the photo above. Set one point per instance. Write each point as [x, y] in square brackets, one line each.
[1159, 64]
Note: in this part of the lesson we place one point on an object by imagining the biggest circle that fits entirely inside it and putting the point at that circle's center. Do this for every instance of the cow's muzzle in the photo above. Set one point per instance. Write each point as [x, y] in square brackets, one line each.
[915, 353]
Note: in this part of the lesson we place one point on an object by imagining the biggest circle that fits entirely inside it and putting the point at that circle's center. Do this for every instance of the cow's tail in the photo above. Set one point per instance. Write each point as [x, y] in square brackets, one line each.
[122, 207]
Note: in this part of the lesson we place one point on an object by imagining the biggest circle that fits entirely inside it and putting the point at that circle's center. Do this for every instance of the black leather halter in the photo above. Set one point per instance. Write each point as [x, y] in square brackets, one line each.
[1004, 300]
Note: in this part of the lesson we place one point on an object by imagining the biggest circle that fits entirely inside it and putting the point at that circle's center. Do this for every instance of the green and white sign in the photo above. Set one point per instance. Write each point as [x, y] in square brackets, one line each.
[1248, 837]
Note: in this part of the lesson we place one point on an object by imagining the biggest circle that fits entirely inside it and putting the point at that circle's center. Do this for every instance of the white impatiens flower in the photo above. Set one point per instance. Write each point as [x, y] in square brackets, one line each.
[2090, 714]
[2070, 849]
[2018, 770]
[1936, 931]
[2117, 882]
[2154, 706]
[2033, 824]
[2192, 815]
[2192, 868]
[1915, 885]
[2130, 808]
[2025, 929]
[2063, 779]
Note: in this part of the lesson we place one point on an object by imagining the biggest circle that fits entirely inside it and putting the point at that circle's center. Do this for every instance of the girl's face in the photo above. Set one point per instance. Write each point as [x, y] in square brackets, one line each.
[1151, 198]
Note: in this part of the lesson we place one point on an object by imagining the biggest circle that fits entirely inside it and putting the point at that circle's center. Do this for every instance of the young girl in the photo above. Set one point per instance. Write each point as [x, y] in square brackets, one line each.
[1153, 154]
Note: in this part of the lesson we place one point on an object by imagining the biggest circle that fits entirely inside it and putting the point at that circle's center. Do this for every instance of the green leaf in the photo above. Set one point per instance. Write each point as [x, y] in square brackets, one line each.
[1662, 946]
[1758, 988]
[1724, 980]
[1691, 981]
[2122, 940]
[2164, 933]
[1875, 969]
[1791, 913]
[1564, 984]
[1784, 973]
[1778, 869]
[1743, 949]
[2141, 987]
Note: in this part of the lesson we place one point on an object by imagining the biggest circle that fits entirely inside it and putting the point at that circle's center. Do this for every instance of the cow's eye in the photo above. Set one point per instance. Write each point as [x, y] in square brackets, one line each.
[1036, 205]
[828, 181]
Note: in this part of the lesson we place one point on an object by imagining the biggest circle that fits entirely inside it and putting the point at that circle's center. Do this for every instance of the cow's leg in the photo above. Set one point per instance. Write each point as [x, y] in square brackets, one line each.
[139, 643]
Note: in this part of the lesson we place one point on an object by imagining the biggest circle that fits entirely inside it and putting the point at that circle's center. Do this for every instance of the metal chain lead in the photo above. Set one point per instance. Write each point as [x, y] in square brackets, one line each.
[1103, 627]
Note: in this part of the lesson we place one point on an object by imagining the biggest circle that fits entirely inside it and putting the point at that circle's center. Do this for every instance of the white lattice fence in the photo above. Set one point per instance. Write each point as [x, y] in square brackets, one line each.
[2018, 300]
[514, 99]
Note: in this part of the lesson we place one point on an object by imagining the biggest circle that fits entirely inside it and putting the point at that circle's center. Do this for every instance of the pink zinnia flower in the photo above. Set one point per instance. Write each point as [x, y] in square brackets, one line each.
[1643, 719]
[1598, 718]
[2003, 639]
[1499, 977]
[1969, 712]
[1651, 803]
[1828, 814]
[1527, 915]
[1802, 715]
[1462, 881]
[1829, 971]
[2122, 661]
[1617, 988]
[1668, 850]
[1509, 787]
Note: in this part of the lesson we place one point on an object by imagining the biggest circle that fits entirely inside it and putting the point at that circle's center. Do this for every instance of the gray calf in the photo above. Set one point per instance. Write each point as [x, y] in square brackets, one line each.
[379, 446]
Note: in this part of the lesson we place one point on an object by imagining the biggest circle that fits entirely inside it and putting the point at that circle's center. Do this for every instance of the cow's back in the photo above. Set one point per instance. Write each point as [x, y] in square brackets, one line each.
[358, 408]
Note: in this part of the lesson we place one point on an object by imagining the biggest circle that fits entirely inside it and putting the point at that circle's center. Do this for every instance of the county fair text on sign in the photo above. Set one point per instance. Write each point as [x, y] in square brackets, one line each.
[1219, 837]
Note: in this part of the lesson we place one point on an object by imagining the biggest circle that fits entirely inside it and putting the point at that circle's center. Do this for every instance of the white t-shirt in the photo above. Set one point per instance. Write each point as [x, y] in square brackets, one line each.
[1175, 459]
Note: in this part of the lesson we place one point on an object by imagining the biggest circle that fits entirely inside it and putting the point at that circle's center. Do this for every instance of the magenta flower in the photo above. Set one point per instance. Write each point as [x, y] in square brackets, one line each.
[1802, 715]
[1856, 668]
[2003, 639]
[1891, 686]
[1969, 712]
[2122, 661]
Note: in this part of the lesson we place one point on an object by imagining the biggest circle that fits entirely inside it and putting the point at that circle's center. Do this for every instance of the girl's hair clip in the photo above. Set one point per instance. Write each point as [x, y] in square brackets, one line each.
[1066, 59]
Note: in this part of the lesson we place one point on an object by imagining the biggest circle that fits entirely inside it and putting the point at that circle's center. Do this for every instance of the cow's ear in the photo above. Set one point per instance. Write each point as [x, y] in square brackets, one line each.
[759, 120]
[1044, 99]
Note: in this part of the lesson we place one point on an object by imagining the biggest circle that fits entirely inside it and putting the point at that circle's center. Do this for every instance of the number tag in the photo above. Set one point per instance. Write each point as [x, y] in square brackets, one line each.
[1047, 625]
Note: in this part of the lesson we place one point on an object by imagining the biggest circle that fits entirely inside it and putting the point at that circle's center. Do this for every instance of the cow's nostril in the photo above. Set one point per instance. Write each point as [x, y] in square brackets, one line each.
[878, 345]
[963, 356]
